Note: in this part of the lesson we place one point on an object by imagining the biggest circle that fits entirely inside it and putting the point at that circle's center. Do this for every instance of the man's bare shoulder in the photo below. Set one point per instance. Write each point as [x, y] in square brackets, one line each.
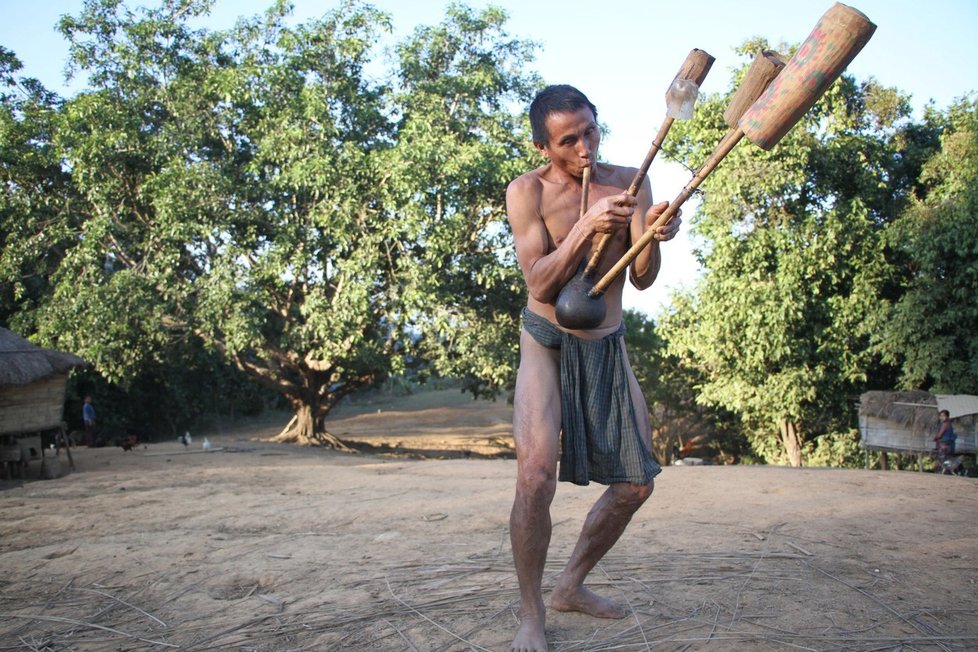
[527, 183]
[524, 195]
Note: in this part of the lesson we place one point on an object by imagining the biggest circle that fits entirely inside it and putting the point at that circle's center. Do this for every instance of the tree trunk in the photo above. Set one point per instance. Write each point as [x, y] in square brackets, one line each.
[791, 441]
[303, 430]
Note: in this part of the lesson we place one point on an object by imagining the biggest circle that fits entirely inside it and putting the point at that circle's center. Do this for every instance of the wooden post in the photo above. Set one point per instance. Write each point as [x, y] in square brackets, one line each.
[62, 440]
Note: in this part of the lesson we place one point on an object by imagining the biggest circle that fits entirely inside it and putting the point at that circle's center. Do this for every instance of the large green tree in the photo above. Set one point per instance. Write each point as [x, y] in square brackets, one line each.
[36, 224]
[929, 331]
[462, 136]
[38, 227]
[257, 189]
[793, 263]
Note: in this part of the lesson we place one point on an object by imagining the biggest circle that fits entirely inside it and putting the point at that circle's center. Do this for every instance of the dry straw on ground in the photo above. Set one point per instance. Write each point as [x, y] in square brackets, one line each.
[262, 547]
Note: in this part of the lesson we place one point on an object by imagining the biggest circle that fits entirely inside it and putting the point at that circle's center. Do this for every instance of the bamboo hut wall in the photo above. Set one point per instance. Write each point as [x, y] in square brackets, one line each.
[915, 410]
[34, 406]
[884, 434]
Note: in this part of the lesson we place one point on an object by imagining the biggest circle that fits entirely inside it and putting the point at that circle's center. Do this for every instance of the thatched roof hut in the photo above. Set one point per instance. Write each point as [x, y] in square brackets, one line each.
[22, 363]
[914, 410]
[32, 384]
[907, 421]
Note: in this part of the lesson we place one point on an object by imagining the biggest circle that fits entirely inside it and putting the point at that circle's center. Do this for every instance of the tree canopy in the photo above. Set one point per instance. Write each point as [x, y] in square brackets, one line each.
[261, 190]
[928, 330]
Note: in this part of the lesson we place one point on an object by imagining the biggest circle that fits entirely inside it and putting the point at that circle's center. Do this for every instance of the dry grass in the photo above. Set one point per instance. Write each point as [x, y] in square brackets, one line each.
[262, 547]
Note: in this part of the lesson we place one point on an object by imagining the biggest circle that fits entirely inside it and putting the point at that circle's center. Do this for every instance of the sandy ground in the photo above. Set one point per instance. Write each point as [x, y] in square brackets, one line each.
[260, 546]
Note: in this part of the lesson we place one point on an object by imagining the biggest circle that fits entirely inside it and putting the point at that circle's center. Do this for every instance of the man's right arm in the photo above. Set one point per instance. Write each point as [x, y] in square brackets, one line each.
[546, 272]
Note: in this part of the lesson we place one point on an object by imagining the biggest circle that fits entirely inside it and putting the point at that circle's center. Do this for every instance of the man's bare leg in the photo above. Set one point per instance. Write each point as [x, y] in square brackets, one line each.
[536, 428]
[602, 528]
[530, 529]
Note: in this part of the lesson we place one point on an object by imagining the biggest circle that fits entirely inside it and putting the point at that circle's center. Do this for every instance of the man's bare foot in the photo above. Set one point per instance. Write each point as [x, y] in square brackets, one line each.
[530, 637]
[587, 601]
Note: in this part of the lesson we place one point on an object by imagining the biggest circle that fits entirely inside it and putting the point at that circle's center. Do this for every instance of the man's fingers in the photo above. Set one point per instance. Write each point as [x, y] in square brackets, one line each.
[656, 211]
[669, 230]
[624, 199]
[660, 208]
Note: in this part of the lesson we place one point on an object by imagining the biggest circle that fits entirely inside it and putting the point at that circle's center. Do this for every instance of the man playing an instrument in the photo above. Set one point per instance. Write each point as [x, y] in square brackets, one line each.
[579, 382]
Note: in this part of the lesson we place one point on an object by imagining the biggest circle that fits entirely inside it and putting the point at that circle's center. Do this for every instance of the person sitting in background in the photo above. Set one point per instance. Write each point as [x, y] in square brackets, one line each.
[945, 437]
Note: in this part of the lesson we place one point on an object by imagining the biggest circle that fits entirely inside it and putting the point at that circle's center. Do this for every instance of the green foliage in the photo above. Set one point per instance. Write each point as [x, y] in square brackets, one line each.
[35, 196]
[836, 449]
[256, 190]
[190, 389]
[928, 331]
[669, 388]
[459, 146]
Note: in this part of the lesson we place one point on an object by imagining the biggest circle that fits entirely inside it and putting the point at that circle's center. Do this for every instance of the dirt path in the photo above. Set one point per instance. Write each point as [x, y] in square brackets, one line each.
[255, 546]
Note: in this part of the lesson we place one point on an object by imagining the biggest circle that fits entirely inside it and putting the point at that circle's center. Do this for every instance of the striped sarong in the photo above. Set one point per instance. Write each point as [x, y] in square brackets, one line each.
[601, 440]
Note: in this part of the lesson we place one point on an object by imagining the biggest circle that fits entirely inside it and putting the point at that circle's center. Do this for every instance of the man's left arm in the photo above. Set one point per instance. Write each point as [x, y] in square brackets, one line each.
[645, 268]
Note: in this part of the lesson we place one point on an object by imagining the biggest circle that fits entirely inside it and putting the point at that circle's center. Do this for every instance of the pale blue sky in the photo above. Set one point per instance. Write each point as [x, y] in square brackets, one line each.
[624, 53]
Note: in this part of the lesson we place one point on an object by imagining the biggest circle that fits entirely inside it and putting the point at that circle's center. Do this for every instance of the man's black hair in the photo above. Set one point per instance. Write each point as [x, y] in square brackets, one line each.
[559, 98]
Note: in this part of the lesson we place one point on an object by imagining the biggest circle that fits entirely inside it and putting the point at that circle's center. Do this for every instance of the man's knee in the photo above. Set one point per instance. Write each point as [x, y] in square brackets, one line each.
[534, 480]
[632, 495]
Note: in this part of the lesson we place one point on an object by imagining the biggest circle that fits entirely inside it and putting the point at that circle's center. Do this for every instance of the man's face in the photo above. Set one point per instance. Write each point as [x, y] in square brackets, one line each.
[574, 139]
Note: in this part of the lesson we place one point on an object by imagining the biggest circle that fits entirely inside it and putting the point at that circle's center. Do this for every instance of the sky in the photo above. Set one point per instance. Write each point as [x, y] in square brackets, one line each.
[623, 54]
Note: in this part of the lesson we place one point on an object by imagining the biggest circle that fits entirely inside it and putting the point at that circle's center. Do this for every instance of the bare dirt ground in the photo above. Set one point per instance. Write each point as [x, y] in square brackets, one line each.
[267, 547]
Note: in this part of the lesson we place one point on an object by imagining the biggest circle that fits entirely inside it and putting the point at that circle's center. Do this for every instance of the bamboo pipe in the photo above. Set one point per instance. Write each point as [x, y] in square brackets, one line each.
[585, 189]
[694, 69]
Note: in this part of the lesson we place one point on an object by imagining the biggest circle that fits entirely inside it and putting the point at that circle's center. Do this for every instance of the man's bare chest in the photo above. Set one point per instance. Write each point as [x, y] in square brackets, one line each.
[561, 209]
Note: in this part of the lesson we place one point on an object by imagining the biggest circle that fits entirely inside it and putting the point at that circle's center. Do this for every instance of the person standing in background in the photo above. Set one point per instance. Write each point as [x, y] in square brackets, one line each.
[88, 416]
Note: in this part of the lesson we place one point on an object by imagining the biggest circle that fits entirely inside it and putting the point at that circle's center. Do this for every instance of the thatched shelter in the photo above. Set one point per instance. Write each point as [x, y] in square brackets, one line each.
[905, 422]
[32, 389]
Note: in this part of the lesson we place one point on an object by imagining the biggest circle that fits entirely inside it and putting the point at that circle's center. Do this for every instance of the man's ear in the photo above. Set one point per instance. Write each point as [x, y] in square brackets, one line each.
[542, 149]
